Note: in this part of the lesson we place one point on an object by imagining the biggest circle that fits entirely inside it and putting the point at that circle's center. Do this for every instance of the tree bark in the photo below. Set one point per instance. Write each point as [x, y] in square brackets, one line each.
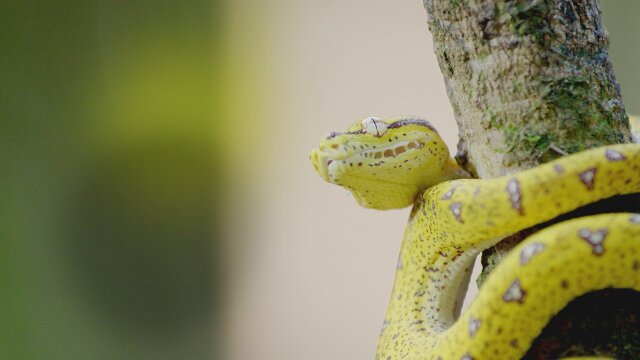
[530, 81]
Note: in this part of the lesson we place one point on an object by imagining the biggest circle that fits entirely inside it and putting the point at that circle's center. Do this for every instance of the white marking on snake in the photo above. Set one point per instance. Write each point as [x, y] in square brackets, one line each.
[613, 155]
[474, 325]
[594, 238]
[374, 126]
[514, 292]
[529, 251]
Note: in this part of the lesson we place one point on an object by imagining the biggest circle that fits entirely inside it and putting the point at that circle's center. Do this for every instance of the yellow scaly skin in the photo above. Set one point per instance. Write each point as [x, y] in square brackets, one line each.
[452, 221]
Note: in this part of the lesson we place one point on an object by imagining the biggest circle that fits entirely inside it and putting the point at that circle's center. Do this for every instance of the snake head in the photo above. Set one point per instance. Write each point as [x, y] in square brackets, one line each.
[384, 163]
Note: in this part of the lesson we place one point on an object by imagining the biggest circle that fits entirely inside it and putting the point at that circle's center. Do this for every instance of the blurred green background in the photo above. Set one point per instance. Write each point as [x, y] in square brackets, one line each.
[156, 198]
[110, 234]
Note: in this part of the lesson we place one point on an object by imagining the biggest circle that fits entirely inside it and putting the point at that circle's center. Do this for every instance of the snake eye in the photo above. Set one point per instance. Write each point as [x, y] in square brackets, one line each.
[374, 126]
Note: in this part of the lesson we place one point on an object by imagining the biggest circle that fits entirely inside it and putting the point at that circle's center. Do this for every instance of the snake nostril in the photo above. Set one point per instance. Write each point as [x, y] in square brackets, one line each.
[329, 162]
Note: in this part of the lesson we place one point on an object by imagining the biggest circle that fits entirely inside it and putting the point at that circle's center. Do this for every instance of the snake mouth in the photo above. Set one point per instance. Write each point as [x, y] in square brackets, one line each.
[349, 149]
[392, 150]
[328, 160]
[360, 147]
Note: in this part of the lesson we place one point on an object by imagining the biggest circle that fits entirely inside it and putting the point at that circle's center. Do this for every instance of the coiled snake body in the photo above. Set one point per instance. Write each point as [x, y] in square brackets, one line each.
[398, 162]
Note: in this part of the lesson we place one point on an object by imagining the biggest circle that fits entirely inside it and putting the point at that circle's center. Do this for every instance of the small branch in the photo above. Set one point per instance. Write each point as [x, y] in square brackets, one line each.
[558, 150]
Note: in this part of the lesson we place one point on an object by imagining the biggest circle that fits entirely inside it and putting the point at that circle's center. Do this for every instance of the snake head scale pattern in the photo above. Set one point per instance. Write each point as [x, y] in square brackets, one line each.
[385, 163]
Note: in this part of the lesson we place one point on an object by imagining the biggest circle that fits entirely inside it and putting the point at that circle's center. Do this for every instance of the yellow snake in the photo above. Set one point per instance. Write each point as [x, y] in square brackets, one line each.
[394, 163]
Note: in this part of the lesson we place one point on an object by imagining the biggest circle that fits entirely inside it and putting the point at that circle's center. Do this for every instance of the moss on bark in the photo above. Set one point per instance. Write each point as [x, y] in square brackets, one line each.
[528, 80]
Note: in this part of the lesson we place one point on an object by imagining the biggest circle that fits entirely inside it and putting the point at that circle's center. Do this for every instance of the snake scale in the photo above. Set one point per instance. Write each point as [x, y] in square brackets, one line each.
[394, 163]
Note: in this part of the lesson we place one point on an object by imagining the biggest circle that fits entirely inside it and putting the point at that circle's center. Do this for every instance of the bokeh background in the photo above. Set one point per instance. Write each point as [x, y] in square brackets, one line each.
[157, 201]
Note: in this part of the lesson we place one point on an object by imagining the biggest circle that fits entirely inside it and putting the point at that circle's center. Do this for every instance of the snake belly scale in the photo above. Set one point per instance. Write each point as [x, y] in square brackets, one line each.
[398, 162]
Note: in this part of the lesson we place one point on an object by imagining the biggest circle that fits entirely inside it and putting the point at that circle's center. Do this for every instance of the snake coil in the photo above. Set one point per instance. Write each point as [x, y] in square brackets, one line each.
[398, 162]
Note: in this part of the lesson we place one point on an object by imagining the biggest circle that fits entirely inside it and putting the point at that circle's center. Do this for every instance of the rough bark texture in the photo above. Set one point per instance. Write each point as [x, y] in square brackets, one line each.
[530, 81]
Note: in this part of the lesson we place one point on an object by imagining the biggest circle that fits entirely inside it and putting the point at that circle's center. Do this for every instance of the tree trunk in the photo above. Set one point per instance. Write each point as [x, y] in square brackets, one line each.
[530, 81]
